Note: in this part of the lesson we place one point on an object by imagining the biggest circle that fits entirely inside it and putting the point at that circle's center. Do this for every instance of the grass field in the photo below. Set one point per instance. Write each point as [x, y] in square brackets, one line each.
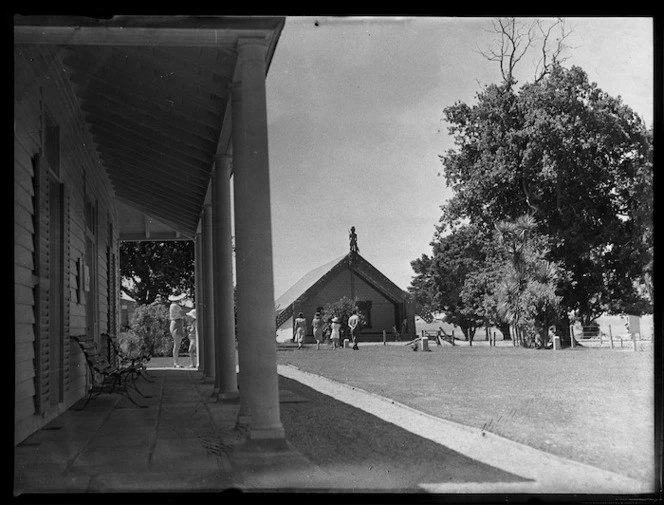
[595, 406]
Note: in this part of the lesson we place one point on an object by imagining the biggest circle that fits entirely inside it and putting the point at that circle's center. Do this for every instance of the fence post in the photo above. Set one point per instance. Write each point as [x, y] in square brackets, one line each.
[610, 339]
[634, 341]
[571, 335]
[383, 337]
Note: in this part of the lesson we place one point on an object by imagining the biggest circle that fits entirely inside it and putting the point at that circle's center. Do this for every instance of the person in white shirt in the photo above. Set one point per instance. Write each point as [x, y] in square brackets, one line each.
[354, 323]
[176, 315]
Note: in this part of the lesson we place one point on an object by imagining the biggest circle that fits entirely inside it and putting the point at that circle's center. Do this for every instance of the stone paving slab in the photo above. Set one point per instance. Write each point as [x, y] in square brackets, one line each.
[191, 443]
[190, 453]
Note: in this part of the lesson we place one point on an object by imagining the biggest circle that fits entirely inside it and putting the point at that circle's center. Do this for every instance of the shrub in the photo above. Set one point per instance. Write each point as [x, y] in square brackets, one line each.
[343, 309]
[150, 327]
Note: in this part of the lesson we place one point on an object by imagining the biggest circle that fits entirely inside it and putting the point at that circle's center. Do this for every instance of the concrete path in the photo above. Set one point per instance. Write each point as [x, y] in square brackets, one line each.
[548, 473]
[184, 440]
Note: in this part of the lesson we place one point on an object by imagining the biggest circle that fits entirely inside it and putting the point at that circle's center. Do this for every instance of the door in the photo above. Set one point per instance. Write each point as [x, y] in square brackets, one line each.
[90, 270]
[56, 297]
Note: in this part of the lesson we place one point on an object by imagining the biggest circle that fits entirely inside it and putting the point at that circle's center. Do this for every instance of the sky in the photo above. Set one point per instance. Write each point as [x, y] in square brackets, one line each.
[355, 119]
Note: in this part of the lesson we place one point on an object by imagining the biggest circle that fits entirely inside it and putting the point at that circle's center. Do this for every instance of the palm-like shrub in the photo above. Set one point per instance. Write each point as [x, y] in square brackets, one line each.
[526, 296]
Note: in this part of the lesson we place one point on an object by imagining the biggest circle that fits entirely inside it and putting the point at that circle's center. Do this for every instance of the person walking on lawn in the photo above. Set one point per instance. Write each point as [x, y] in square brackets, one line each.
[335, 335]
[317, 324]
[354, 323]
[176, 315]
[300, 330]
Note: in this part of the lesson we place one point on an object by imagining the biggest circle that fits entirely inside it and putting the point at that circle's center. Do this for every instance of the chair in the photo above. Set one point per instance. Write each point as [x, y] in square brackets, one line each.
[136, 363]
[106, 378]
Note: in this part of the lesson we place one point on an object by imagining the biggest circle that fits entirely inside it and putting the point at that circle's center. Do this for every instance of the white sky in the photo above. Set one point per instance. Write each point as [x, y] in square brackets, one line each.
[355, 108]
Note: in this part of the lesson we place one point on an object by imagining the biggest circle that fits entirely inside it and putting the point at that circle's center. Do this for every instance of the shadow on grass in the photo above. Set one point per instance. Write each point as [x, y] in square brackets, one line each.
[367, 452]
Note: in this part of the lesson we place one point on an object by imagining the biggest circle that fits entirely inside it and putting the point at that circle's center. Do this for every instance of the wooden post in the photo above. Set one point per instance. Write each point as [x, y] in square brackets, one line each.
[634, 341]
[610, 339]
[601, 339]
[384, 337]
[571, 335]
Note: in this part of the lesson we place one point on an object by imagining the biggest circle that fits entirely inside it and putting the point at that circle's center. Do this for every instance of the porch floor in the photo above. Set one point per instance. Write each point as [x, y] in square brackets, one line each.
[185, 441]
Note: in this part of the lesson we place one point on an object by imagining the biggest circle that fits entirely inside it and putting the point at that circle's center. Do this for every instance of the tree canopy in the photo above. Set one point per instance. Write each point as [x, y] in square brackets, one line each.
[153, 270]
[451, 280]
[576, 159]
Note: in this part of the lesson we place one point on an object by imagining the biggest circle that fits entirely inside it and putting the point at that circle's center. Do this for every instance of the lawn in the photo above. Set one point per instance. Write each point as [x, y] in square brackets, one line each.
[595, 406]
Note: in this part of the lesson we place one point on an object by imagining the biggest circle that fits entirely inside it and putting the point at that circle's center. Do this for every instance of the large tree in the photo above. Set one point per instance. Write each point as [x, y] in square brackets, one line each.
[453, 279]
[153, 270]
[580, 162]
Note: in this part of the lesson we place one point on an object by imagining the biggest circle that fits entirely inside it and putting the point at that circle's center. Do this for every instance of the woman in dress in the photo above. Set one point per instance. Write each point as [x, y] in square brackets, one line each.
[317, 324]
[336, 329]
[300, 330]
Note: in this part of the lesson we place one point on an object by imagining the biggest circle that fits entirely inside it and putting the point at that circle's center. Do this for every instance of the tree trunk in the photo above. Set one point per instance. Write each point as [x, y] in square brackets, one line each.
[505, 330]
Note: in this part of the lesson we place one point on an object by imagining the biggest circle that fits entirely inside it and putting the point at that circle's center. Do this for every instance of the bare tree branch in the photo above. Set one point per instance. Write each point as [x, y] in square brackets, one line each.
[515, 38]
[544, 65]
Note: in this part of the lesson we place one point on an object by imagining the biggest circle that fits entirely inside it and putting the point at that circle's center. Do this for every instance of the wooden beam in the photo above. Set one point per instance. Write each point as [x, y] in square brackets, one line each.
[142, 145]
[215, 64]
[155, 236]
[139, 206]
[188, 144]
[148, 83]
[191, 72]
[149, 71]
[138, 107]
[161, 99]
[164, 211]
[133, 36]
[189, 198]
[184, 143]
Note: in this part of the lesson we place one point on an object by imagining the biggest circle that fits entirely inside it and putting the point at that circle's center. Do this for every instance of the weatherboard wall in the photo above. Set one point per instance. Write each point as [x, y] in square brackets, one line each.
[42, 87]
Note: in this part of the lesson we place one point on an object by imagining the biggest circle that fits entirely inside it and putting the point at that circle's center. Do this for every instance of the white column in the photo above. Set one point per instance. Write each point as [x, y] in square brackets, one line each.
[205, 340]
[224, 340]
[243, 310]
[199, 290]
[253, 241]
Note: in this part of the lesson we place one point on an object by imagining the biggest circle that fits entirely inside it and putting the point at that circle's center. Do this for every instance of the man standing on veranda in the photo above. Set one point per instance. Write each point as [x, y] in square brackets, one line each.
[354, 323]
[176, 315]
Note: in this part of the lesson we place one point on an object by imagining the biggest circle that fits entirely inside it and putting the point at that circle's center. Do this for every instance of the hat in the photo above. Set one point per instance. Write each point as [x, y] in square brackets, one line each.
[335, 319]
[192, 313]
[317, 314]
[177, 298]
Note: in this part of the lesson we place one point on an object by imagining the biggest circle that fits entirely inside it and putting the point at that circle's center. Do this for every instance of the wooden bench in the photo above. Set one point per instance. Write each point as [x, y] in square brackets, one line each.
[137, 363]
[106, 378]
